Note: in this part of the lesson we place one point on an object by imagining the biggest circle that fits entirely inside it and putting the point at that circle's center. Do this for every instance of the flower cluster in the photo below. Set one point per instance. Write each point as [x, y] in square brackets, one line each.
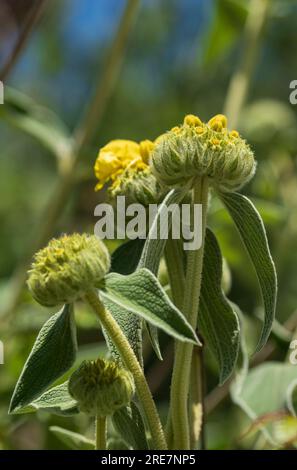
[197, 149]
[101, 387]
[67, 268]
[143, 172]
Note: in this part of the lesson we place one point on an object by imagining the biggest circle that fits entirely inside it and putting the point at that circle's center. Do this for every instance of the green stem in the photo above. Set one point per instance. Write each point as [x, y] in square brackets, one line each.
[183, 357]
[100, 433]
[130, 360]
[176, 273]
[240, 82]
[196, 405]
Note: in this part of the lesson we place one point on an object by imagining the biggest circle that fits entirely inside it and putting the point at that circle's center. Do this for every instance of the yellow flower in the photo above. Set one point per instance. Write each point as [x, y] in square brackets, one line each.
[119, 155]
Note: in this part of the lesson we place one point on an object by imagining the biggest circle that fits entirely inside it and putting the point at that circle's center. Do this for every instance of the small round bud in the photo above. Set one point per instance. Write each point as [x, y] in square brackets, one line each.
[199, 149]
[101, 387]
[218, 123]
[67, 268]
[192, 120]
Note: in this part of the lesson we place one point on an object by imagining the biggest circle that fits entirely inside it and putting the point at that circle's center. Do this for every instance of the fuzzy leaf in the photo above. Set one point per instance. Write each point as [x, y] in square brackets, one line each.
[56, 400]
[37, 121]
[53, 353]
[125, 258]
[264, 390]
[129, 424]
[71, 439]
[253, 235]
[142, 294]
[217, 320]
[153, 251]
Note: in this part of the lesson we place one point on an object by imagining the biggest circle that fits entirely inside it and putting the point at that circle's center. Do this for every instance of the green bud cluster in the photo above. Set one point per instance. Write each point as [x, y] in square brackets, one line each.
[101, 387]
[68, 267]
[197, 149]
[138, 187]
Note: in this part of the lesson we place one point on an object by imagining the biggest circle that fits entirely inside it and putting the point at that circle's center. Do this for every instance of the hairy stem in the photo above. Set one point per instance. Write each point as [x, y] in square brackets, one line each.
[183, 357]
[196, 405]
[176, 273]
[100, 433]
[130, 360]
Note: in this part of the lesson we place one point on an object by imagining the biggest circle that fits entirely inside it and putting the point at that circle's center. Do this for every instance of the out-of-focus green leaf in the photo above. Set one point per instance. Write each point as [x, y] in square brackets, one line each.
[217, 320]
[228, 21]
[264, 389]
[253, 235]
[71, 439]
[41, 123]
[292, 397]
[53, 353]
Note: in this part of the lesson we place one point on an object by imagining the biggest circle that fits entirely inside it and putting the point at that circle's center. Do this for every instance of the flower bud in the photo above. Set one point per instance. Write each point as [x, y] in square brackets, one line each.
[101, 387]
[197, 149]
[67, 268]
[138, 187]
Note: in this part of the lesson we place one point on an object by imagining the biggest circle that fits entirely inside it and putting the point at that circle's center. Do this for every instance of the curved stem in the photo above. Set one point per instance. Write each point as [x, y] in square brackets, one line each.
[130, 360]
[100, 433]
[183, 358]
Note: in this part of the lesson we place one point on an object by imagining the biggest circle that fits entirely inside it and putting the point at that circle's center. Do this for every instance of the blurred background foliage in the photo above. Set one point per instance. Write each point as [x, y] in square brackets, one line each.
[180, 59]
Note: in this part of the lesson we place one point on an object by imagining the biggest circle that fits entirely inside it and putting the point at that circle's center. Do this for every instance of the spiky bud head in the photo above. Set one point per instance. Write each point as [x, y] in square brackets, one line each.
[197, 149]
[101, 387]
[67, 268]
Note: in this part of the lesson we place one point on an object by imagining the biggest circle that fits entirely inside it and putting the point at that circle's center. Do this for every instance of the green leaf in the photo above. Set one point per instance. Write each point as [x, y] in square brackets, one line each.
[264, 389]
[52, 355]
[41, 123]
[153, 251]
[129, 424]
[217, 320]
[253, 235]
[154, 247]
[71, 439]
[229, 18]
[142, 294]
[291, 397]
[129, 257]
[125, 258]
[57, 400]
